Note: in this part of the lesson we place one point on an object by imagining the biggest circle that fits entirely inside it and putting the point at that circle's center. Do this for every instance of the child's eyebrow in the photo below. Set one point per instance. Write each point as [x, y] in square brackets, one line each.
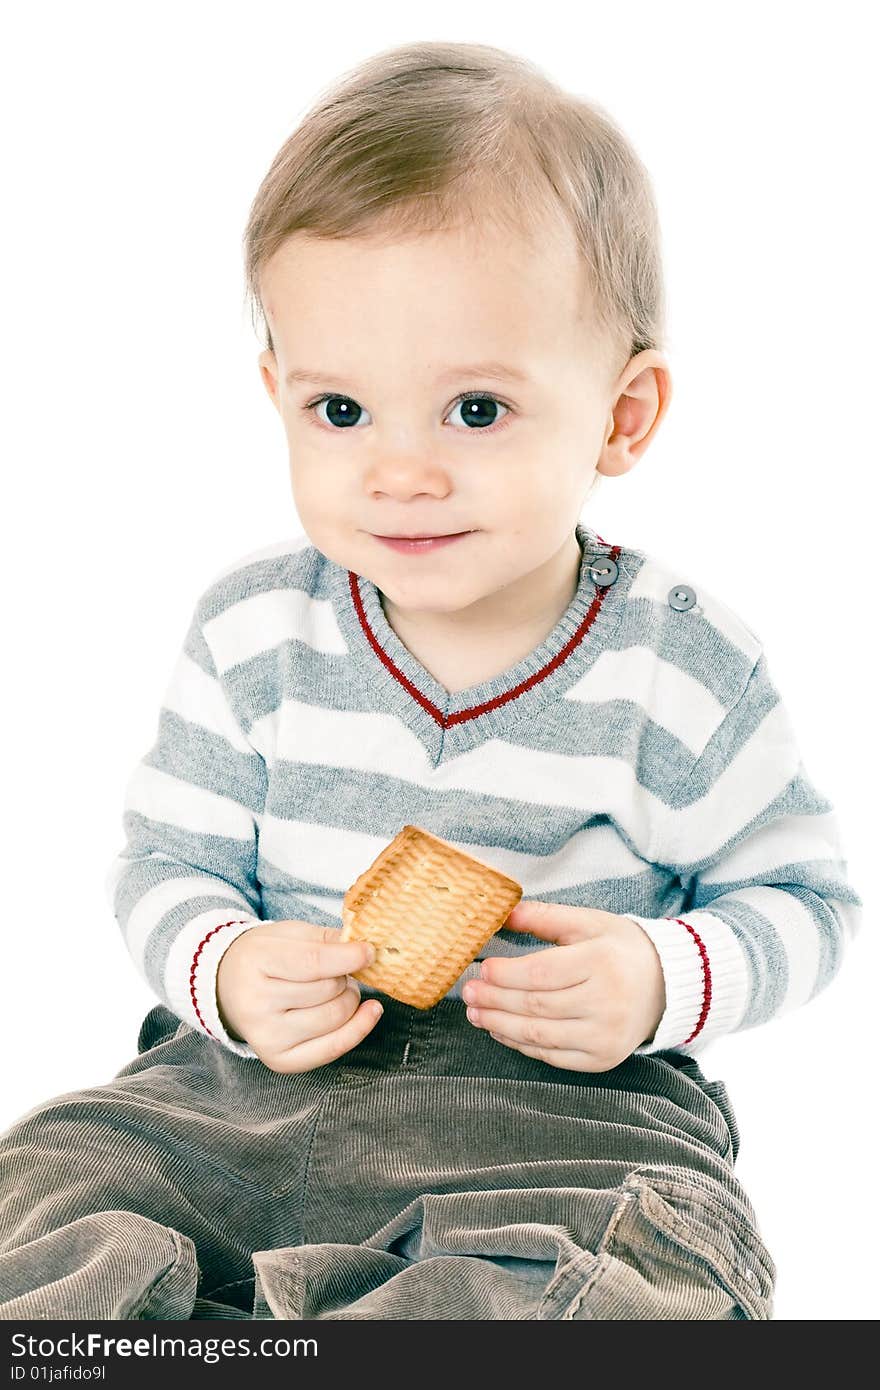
[499, 371]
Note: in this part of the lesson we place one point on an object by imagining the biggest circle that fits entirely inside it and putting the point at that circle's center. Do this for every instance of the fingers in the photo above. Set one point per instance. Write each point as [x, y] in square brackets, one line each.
[568, 1060]
[569, 1002]
[305, 959]
[318, 1051]
[558, 922]
[289, 1027]
[555, 1033]
[557, 968]
[294, 929]
[279, 995]
[577, 1044]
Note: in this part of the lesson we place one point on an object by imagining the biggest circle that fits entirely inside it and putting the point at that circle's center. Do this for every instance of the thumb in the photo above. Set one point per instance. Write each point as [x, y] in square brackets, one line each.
[555, 921]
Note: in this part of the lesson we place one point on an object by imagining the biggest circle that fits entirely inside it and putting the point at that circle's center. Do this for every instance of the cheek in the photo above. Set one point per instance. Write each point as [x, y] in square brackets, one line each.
[536, 493]
[317, 503]
[311, 470]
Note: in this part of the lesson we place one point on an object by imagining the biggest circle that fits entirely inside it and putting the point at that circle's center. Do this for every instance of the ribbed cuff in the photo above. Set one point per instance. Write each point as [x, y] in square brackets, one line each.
[203, 981]
[705, 975]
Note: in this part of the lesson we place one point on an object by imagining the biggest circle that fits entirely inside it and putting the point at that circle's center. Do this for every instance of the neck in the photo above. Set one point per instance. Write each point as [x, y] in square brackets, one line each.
[528, 609]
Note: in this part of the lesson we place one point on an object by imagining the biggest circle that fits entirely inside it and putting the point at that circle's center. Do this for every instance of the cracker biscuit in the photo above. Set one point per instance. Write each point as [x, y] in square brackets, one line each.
[428, 908]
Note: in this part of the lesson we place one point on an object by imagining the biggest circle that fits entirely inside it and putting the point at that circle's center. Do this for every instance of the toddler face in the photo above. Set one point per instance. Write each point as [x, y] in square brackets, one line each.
[392, 332]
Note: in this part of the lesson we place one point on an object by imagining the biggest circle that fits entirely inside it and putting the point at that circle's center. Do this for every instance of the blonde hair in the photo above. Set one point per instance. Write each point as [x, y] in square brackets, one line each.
[428, 135]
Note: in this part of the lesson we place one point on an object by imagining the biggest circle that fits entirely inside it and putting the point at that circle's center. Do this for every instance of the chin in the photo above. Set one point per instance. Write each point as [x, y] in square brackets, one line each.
[436, 593]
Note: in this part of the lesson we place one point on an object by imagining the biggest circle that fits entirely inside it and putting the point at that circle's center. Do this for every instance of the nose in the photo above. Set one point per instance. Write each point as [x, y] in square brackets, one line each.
[408, 467]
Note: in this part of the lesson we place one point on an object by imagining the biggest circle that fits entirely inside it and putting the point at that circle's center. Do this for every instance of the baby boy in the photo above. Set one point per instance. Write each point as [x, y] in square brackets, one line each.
[459, 275]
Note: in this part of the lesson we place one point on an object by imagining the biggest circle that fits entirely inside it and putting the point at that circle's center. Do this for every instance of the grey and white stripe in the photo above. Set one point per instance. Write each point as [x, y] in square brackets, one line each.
[654, 773]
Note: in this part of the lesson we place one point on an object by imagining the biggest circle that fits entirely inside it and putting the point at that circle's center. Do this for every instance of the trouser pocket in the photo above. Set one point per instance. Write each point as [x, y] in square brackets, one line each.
[461, 1255]
[676, 1251]
[107, 1265]
[642, 1250]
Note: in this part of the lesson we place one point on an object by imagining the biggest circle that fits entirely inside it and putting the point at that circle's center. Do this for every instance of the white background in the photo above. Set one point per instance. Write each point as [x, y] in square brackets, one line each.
[141, 455]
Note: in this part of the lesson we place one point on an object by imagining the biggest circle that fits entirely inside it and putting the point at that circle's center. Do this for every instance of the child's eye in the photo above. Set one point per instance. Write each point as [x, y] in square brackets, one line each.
[480, 411]
[344, 412]
[477, 406]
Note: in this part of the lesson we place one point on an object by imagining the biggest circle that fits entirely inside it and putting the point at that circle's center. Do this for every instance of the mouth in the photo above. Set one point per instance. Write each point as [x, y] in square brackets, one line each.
[436, 536]
[414, 545]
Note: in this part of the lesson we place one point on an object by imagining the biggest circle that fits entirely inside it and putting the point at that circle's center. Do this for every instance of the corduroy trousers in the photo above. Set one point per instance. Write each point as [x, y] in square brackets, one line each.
[430, 1173]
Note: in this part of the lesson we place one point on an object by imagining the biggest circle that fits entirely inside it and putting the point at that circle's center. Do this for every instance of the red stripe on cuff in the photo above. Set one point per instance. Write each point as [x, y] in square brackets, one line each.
[707, 978]
[192, 974]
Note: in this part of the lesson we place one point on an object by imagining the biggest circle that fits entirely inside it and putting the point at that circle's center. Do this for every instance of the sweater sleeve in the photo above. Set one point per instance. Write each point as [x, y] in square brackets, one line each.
[768, 910]
[185, 885]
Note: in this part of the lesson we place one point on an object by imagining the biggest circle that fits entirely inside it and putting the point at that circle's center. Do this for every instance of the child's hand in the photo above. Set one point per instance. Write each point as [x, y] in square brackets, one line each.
[283, 988]
[582, 1005]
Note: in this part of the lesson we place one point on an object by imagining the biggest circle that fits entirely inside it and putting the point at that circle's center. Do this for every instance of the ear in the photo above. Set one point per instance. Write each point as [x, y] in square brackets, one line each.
[269, 373]
[641, 399]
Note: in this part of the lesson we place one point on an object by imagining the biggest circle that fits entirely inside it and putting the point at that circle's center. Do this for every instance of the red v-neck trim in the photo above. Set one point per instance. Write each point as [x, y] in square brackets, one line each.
[445, 721]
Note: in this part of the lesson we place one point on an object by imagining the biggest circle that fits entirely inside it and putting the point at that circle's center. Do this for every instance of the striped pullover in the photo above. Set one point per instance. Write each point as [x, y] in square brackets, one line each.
[639, 760]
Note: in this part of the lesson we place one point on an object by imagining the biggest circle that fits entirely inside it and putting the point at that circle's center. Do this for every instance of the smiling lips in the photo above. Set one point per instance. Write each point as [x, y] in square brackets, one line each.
[410, 545]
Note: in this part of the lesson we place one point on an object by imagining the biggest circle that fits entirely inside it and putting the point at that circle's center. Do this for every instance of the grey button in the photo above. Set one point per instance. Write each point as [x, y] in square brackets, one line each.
[751, 1276]
[604, 571]
[681, 597]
